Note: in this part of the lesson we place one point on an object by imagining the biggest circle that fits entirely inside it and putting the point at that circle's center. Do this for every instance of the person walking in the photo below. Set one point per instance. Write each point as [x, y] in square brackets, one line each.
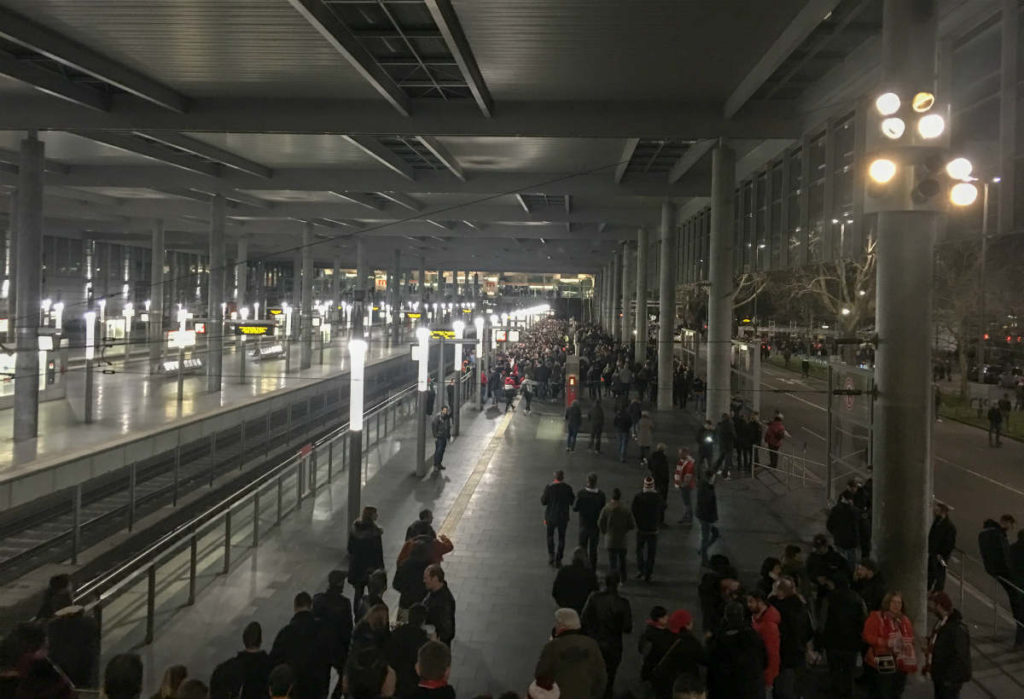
[606, 617]
[441, 427]
[795, 635]
[773, 437]
[365, 551]
[658, 467]
[890, 656]
[596, 417]
[572, 659]
[401, 649]
[573, 420]
[726, 435]
[645, 434]
[589, 503]
[706, 446]
[510, 392]
[941, 542]
[707, 514]
[844, 525]
[574, 582]
[995, 426]
[623, 426]
[557, 499]
[994, 545]
[647, 512]
[615, 523]
[655, 641]
[948, 654]
[684, 480]
[754, 433]
[684, 658]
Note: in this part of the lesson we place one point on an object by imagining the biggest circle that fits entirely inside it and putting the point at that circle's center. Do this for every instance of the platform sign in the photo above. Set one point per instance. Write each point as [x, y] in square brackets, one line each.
[179, 339]
[275, 311]
[500, 335]
[256, 328]
[513, 336]
[442, 334]
[200, 328]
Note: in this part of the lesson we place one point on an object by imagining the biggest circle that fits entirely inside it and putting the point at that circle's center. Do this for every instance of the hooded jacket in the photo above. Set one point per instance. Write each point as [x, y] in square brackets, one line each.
[615, 523]
[995, 549]
[736, 664]
[365, 551]
[767, 626]
[951, 650]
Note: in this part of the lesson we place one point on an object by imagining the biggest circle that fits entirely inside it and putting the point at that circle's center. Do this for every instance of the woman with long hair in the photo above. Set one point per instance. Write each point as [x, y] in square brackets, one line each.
[173, 677]
[890, 656]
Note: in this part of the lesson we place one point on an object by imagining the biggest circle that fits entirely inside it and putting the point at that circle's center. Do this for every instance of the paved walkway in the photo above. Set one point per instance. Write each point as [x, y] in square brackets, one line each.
[130, 400]
[489, 502]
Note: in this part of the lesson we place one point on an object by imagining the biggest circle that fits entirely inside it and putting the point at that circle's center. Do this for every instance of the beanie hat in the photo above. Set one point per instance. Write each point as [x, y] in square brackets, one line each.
[648, 484]
[679, 620]
[543, 688]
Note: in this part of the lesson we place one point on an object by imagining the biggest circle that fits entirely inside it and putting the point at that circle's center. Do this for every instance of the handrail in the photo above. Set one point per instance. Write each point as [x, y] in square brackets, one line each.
[167, 543]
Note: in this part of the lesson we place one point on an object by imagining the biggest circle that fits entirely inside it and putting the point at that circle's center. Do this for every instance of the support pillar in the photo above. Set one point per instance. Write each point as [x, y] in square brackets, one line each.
[361, 297]
[615, 327]
[156, 297]
[422, 289]
[215, 297]
[1008, 120]
[29, 246]
[903, 409]
[640, 354]
[720, 313]
[306, 301]
[627, 297]
[396, 299]
[242, 272]
[666, 304]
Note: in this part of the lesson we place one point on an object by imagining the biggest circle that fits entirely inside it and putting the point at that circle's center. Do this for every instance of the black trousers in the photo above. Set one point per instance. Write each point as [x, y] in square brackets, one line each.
[559, 527]
[842, 665]
[646, 551]
[588, 540]
[595, 438]
[612, 658]
[617, 562]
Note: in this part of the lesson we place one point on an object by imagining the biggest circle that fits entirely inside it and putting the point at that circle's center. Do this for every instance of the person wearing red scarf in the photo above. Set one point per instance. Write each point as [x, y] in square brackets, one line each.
[890, 657]
[433, 665]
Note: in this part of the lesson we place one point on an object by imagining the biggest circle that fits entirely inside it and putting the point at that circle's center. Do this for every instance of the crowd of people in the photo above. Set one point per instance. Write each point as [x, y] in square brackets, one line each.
[821, 624]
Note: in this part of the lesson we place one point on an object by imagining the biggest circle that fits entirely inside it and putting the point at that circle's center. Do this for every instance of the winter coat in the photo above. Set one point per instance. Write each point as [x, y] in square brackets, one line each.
[241, 677]
[589, 504]
[615, 523]
[707, 501]
[441, 613]
[844, 614]
[38, 678]
[995, 549]
[941, 538]
[573, 417]
[621, 422]
[878, 631]
[825, 565]
[658, 466]
[575, 663]
[872, 591]
[685, 656]
[844, 525]
[75, 647]
[334, 609]
[951, 651]
[645, 432]
[573, 585]
[596, 417]
[436, 549]
[655, 641]
[304, 644]
[736, 664]
[794, 630]
[754, 431]
[409, 578]
[775, 433]
[1017, 562]
[401, 651]
[441, 426]
[606, 616]
[365, 551]
[420, 528]
[767, 626]
[557, 499]
[726, 434]
[647, 507]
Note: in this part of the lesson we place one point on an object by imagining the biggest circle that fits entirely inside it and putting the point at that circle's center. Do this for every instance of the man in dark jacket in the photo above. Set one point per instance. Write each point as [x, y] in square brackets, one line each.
[589, 503]
[755, 432]
[572, 659]
[840, 636]
[401, 649]
[994, 545]
[941, 542]
[706, 445]
[823, 562]
[736, 658]
[949, 649]
[334, 610]
[245, 675]
[423, 526]
[573, 420]
[557, 499]
[408, 579]
[844, 526]
[596, 425]
[440, 604]
[74, 642]
[726, 434]
[658, 466]
[606, 616]
[684, 657]
[441, 428]
[795, 633]
[647, 512]
[707, 513]
[869, 583]
[304, 644]
[574, 582]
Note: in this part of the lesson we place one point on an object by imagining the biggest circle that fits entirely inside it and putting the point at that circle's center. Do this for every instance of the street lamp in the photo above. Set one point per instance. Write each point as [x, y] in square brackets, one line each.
[90, 353]
[460, 328]
[479, 323]
[423, 357]
[357, 367]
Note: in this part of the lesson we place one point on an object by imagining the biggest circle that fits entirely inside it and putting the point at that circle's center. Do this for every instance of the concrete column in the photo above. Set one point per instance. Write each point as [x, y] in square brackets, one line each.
[640, 354]
[615, 328]
[476, 287]
[1008, 106]
[215, 297]
[10, 265]
[627, 296]
[306, 311]
[242, 272]
[720, 313]
[422, 288]
[29, 232]
[361, 296]
[156, 296]
[606, 284]
[903, 405]
[666, 304]
[396, 299]
[336, 292]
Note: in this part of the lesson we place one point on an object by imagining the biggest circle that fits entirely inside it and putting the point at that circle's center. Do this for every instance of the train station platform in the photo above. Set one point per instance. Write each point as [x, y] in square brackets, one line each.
[488, 502]
[129, 401]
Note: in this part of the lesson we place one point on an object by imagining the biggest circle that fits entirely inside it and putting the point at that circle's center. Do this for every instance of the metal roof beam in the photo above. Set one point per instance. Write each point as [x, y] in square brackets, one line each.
[627, 155]
[24, 32]
[805, 22]
[448, 22]
[522, 202]
[52, 83]
[133, 144]
[403, 200]
[13, 157]
[690, 158]
[361, 199]
[341, 38]
[209, 152]
[442, 154]
[379, 152]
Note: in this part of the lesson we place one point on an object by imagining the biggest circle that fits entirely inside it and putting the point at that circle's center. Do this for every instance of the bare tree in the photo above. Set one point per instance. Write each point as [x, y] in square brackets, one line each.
[844, 290]
[957, 301]
[748, 286]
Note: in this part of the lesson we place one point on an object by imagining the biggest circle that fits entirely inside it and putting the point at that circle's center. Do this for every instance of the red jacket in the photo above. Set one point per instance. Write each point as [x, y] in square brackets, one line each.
[767, 627]
[684, 467]
[881, 631]
[775, 433]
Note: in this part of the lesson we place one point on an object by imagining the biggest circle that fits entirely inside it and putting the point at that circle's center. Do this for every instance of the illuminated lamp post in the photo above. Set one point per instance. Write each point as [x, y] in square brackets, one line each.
[479, 323]
[423, 357]
[90, 354]
[460, 328]
[357, 367]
